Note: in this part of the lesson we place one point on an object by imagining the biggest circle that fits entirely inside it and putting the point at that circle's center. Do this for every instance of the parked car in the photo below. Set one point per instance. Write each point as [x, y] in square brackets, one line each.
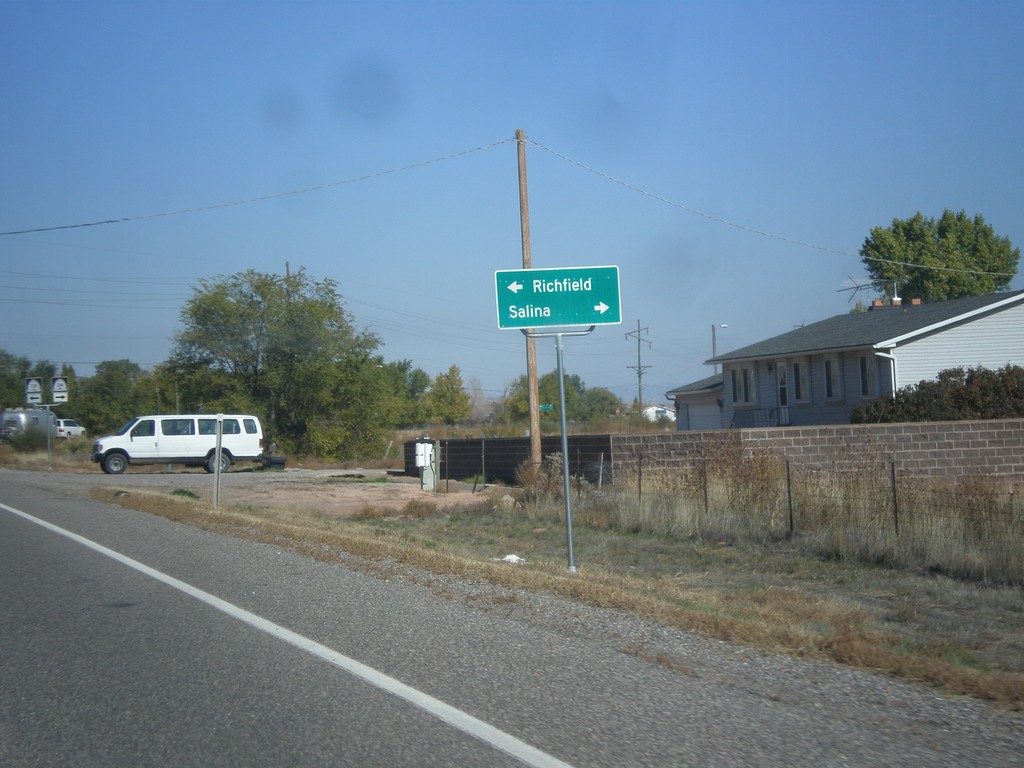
[180, 439]
[68, 428]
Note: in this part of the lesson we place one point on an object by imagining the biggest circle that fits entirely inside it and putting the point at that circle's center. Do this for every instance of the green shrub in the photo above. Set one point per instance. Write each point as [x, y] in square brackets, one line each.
[29, 440]
[956, 394]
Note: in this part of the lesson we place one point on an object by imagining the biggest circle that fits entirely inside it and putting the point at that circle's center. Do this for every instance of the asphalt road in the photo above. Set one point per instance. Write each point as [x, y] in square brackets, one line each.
[146, 642]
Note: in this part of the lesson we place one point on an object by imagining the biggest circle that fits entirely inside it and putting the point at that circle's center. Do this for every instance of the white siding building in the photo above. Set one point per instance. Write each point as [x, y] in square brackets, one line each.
[817, 374]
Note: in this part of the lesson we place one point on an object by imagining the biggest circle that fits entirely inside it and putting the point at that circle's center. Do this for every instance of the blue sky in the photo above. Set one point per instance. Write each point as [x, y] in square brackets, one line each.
[789, 124]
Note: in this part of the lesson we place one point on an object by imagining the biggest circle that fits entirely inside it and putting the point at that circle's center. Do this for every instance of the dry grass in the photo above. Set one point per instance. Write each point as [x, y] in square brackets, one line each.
[961, 638]
[971, 527]
[64, 455]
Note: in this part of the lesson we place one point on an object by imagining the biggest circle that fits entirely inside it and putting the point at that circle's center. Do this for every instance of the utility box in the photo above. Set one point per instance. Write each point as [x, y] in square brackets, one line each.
[427, 452]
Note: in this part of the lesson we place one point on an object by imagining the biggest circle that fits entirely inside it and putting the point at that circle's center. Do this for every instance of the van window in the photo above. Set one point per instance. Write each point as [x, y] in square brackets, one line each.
[250, 426]
[209, 427]
[144, 428]
[177, 427]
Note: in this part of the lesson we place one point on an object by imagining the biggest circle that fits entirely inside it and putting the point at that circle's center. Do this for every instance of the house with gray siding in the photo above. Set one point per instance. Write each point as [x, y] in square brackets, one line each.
[698, 404]
[816, 374]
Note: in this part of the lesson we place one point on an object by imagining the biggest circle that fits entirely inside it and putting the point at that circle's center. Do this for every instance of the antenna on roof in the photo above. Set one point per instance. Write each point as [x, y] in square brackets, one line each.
[856, 285]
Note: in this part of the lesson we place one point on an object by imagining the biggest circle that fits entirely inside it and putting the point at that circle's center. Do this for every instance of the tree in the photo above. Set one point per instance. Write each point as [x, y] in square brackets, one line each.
[581, 404]
[446, 402]
[284, 348]
[361, 412]
[119, 390]
[939, 260]
[599, 403]
[406, 387]
[480, 407]
[13, 372]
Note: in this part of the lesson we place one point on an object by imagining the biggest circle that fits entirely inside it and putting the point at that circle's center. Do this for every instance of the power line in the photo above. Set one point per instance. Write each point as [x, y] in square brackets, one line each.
[260, 198]
[555, 153]
[92, 279]
[752, 230]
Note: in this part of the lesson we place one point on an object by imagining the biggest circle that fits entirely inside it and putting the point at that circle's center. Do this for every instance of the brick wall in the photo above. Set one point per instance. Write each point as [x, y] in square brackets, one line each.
[947, 448]
[950, 448]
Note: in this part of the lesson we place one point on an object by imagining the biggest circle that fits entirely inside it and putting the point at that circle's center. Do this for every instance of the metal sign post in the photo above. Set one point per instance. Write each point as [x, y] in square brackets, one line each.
[217, 453]
[565, 436]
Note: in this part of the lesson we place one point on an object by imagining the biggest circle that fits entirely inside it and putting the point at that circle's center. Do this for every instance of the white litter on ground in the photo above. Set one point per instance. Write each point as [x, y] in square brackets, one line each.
[514, 559]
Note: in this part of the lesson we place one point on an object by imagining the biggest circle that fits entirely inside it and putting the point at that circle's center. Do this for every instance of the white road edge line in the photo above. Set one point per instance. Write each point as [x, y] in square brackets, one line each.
[455, 717]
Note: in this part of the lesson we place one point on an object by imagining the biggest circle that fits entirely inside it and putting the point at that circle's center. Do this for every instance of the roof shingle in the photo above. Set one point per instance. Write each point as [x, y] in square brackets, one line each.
[865, 329]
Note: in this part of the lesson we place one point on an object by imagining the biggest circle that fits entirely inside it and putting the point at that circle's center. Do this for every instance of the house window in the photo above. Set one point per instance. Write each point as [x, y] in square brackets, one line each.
[783, 385]
[867, 375]
[801, 387]
[833, 378]
[742, 380]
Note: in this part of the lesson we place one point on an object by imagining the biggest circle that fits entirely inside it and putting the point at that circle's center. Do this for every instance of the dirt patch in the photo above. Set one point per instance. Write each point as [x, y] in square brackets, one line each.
[330, 492]
[341, 494]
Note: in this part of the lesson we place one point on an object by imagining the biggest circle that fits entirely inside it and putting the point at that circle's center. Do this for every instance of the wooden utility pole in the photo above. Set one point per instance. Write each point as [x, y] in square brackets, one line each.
[531, 346]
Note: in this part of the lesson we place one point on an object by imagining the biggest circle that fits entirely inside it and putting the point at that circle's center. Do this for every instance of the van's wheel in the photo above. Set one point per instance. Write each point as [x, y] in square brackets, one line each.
[225, 462]
[115, 463]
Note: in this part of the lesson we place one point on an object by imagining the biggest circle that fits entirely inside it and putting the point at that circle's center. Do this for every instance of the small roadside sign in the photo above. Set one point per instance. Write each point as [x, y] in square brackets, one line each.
[59, 389]
[33, 391]
[562, 297]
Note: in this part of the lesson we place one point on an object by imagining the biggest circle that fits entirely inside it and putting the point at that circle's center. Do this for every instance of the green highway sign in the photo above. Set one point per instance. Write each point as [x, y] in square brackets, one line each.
[567, 296]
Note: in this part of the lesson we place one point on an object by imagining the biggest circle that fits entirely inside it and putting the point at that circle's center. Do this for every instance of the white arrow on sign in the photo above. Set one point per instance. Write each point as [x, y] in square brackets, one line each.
[601, 308]
[516, 287]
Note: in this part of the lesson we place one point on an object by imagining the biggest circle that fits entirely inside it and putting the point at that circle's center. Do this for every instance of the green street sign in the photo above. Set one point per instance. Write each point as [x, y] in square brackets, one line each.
[563, 297]
[545, 407]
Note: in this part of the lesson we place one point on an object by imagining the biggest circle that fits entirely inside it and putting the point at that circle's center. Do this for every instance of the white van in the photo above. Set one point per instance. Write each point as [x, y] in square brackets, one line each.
[180, 439]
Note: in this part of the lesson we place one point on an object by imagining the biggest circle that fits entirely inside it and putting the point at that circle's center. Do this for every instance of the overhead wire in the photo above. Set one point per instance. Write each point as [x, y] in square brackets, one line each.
[259, 198]
[752, 230]
[410, 166]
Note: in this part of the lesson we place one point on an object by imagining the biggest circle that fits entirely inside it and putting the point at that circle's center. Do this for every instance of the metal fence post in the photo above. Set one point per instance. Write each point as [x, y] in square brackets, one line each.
[639, 477]
[704, 482]
[895, 505]
[789, 497]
